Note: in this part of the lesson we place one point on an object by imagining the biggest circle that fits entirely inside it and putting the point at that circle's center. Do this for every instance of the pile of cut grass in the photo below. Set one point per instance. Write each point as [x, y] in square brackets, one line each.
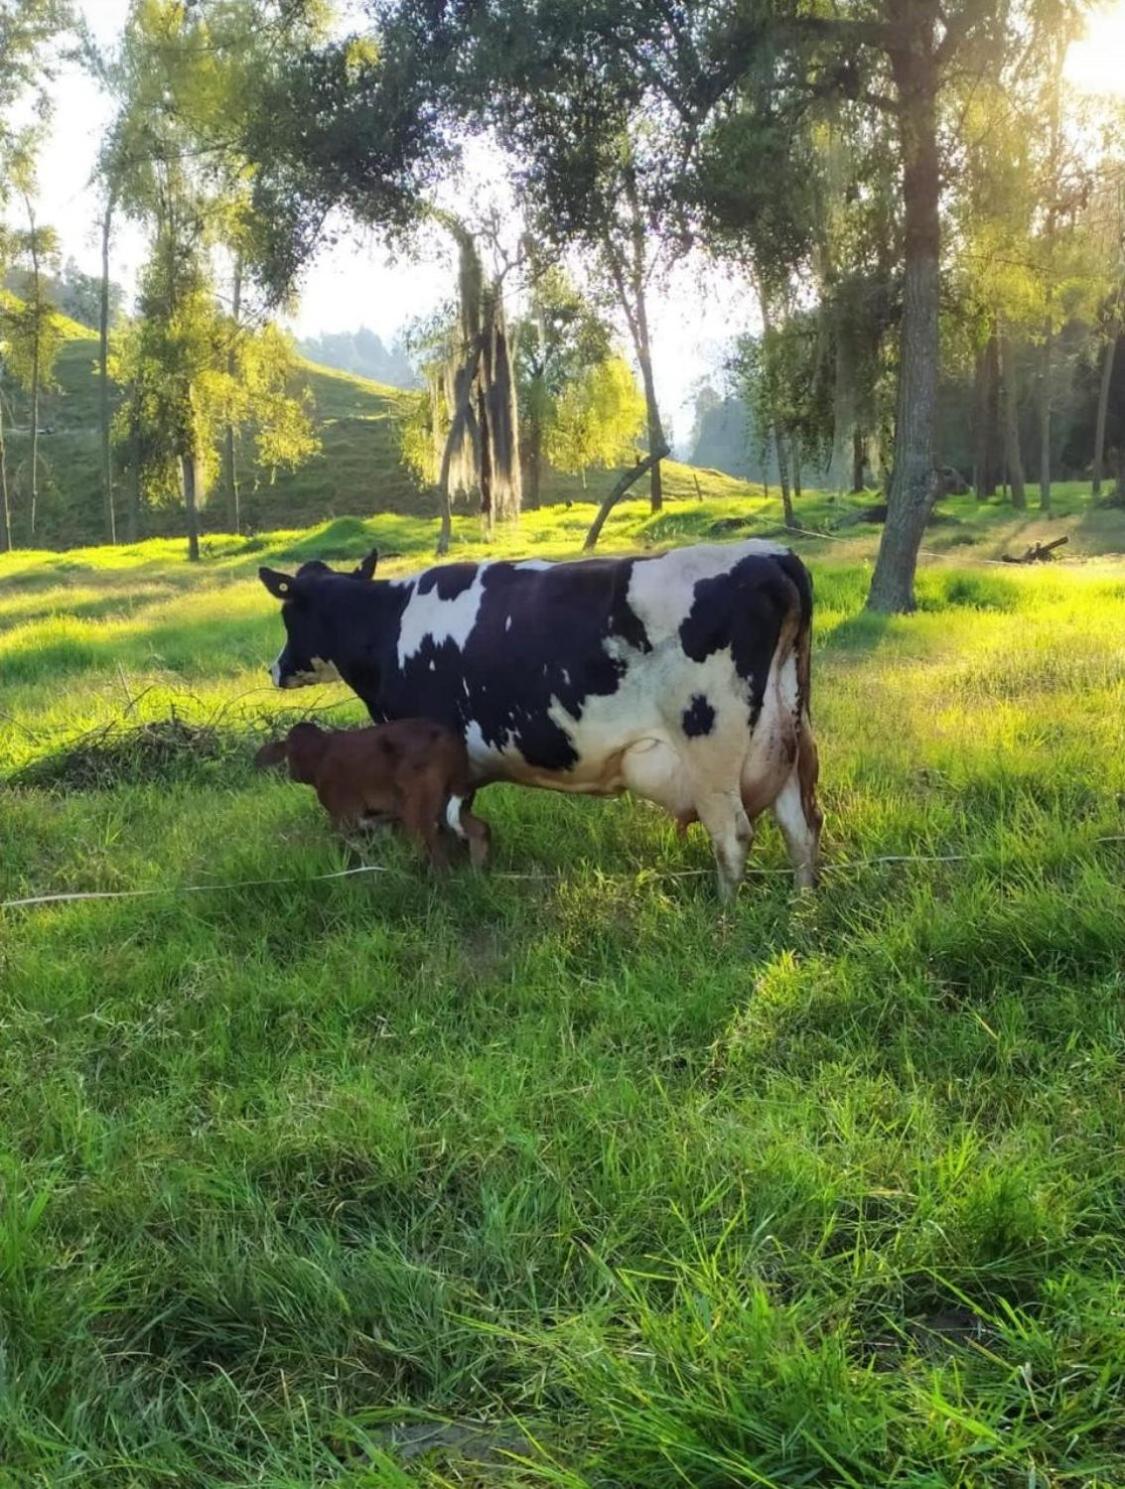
[569, 1180]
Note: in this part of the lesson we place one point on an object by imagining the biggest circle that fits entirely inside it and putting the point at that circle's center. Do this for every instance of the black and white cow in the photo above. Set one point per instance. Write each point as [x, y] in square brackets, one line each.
[682, 677]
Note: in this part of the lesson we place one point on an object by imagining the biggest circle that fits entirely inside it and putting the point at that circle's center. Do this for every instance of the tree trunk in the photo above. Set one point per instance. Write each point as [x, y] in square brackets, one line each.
[103, 376]
[783, 476]
[656, 440]
[1045, 421]
[630, 287]
[858, 461]
[34, 426]
[534, 459]
[913, 486]
[1103, 409]
[230, 452]
[795, 452]
[189, 466]
[844, 426]
[5, 505]
[133, 516]
[1052, 188]
[652, 458]
[984, 420]
[1013, 457]
[463, 392]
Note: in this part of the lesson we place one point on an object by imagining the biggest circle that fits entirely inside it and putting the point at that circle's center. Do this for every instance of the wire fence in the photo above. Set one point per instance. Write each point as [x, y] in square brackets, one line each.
[852, 865]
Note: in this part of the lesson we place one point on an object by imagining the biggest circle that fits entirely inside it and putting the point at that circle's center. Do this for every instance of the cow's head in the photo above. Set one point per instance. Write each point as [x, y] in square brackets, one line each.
[306, 609]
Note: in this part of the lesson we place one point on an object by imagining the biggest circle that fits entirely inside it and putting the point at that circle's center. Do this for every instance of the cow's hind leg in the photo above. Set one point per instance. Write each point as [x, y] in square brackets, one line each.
[798, 815]
[731, 834]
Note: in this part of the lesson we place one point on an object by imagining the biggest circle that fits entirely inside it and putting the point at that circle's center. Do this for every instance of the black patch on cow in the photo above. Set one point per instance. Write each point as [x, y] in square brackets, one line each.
[623, 619]
[699, 718]
[447, 581]
[745, 609]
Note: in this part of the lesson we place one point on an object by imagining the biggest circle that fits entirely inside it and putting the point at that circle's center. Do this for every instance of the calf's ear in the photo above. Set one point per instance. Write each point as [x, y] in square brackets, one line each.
[366, 570]
[281, 586]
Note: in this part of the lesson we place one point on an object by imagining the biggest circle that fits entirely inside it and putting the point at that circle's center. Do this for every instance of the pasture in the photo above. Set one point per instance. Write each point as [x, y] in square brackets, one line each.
[556, 1175]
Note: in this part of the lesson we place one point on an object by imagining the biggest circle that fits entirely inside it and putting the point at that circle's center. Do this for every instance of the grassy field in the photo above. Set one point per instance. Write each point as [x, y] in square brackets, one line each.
[565, 1179]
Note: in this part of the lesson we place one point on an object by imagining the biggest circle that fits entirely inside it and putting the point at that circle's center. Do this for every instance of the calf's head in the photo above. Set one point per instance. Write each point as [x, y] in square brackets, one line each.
[271, 755]
[304, 748]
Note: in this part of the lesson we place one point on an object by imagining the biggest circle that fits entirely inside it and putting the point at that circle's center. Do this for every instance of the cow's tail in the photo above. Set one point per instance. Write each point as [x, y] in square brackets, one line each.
[808, 761]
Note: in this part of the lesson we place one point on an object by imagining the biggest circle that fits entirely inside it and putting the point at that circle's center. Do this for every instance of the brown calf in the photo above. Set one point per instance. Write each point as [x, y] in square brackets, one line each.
[411, 771]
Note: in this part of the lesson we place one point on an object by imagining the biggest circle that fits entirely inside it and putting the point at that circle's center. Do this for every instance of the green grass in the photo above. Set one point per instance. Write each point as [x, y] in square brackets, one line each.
[566, 1180]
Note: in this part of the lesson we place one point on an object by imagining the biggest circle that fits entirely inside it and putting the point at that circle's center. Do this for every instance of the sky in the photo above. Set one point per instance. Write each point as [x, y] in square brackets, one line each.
[693, 316]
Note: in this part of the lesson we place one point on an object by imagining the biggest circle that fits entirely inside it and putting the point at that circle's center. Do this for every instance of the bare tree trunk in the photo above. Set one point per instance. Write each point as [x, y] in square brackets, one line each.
[619, 490]
[1103, 408]
[795, 452]
[189, 466]
[783, 476]
[914, 485]
[1009, 393]
[103, 374]
[230, 452]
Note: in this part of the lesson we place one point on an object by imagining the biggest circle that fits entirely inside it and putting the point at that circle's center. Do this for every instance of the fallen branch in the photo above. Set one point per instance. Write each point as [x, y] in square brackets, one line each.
[619, 491]
[1038, 553]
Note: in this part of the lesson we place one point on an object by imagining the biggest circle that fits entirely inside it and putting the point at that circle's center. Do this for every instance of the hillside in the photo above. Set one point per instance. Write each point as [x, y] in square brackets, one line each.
[358, 471]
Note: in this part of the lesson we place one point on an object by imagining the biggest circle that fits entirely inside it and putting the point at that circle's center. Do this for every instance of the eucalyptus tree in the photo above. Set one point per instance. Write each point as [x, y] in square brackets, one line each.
[183, 77]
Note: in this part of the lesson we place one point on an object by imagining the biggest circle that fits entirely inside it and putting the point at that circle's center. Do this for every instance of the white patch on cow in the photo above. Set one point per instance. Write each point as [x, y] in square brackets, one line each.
[662, 590]
[508, 624]
[440, 620]
[533, 563]
[566, 677]
[275, 672]
[453, 815]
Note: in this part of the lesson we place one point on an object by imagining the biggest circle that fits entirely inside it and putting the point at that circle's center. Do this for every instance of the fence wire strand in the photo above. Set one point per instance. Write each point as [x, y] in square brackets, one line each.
[538, 877]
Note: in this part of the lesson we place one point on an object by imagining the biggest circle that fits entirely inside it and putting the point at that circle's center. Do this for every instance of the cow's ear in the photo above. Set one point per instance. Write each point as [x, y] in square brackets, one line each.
[281, 586]
[366, 569]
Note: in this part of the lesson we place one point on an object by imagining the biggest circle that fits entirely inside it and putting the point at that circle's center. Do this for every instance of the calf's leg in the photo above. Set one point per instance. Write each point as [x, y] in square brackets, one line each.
[420, 813]
[468, 826]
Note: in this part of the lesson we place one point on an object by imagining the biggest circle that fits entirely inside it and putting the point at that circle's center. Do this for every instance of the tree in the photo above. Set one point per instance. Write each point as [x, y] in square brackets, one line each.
[182, 78]
[562, 345]
[32, 326]
[597, 418]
